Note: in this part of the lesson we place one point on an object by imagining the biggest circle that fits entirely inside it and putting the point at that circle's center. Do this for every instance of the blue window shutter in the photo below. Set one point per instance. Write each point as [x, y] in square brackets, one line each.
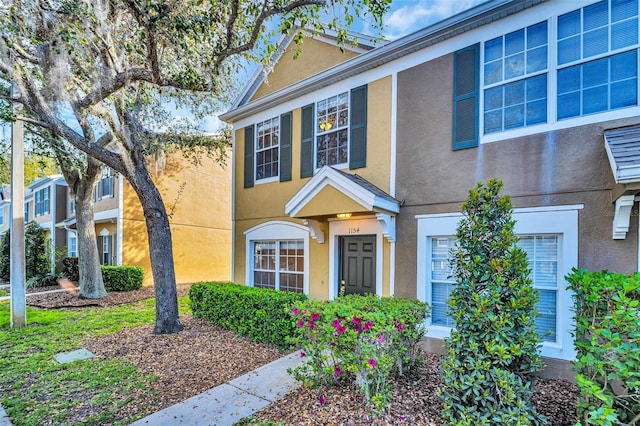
[358, 128]
[306, 151]
[466, 76]
[285, 147]
[248, 156]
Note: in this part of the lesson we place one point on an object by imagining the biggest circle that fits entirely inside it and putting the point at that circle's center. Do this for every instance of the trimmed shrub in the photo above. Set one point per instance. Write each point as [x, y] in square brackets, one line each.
[493, 351]
[260, 314]
[607, 341]
[122, 278]
[37, 249]
[5, 255]
[70, 268]
[363, 339]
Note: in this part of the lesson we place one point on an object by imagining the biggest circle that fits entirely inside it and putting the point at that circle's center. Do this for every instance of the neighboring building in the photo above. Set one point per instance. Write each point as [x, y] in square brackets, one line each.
[198, 201]
[353, 176]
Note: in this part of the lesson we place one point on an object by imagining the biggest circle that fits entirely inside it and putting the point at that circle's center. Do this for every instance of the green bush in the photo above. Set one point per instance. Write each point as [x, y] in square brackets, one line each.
[122, 278]
[37, 249]
[493, 351]
[260, 314]
[5, 255]
[364, 339]
[607, 341]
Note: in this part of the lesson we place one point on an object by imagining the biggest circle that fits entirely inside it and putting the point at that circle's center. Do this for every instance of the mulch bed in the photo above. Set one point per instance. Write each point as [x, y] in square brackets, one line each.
[414, 402]
[203, 356]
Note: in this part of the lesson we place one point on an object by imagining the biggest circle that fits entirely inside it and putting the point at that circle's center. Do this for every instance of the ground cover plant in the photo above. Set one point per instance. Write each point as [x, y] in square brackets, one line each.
[607, 340]
[493, 350]
[364, 340]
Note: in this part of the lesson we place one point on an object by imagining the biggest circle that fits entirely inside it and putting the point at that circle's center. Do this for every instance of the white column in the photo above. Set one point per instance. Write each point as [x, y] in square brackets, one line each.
[18, 279]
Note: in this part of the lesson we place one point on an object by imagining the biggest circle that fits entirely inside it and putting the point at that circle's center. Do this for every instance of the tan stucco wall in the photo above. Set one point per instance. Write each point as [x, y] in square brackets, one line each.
[266, 202]
[316, 56]
[198, 200]
[562, 167]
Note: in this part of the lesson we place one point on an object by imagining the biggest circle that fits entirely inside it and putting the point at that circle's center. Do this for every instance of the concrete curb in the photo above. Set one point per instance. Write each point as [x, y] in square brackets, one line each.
[4, 418]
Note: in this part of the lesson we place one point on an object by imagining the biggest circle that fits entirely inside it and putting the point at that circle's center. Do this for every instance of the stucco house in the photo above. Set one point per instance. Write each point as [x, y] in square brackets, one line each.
[352, 176]
[198, 201]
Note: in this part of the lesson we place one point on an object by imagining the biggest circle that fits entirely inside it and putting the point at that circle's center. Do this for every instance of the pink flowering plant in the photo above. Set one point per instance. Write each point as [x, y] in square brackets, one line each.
[363, 340]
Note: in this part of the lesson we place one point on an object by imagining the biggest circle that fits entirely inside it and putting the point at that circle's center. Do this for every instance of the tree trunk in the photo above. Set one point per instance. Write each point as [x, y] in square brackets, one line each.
[160, 250]
[91, 282]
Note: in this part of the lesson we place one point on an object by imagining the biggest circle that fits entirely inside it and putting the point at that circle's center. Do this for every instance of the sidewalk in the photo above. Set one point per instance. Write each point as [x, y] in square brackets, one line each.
[226, 404]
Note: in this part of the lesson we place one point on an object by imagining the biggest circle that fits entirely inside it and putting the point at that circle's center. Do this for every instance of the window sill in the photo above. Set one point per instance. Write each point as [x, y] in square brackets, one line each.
[267, 180]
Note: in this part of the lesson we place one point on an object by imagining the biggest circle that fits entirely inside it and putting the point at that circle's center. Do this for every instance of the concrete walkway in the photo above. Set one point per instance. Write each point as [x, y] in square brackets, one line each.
[226, 404]
[4, 419]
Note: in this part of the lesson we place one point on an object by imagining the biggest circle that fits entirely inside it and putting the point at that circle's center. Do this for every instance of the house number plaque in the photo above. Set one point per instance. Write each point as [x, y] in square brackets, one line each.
[354, 230]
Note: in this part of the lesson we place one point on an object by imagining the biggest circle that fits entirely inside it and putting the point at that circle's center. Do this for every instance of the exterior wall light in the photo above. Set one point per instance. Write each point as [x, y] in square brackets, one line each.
[343, 215]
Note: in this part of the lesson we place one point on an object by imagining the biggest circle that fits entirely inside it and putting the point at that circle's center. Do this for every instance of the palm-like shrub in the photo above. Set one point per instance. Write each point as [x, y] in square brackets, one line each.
[493, 351]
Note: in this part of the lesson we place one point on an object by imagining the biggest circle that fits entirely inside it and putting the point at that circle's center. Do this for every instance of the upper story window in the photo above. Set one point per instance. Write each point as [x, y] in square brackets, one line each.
[43, 201]
[598, 58]
[332, 131]
[105, 187]
[72, 205]
[2, 216]
[515, 79]
[267, 148]
[26, 212]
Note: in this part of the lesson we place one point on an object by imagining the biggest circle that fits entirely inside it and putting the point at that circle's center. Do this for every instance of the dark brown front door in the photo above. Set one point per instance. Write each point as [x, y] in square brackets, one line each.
[358, 264]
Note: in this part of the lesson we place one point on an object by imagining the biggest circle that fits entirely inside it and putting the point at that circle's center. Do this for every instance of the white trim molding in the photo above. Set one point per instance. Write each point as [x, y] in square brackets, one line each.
[328, 176]
[622, 217]
[277, 230]
[388, 226]
[365, 225]
[559, 220]
[316, 229]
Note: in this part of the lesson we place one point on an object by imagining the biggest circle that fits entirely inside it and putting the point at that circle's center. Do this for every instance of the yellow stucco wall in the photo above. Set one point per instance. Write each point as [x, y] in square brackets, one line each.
[316, 56]
[266, 201]
[198, 200]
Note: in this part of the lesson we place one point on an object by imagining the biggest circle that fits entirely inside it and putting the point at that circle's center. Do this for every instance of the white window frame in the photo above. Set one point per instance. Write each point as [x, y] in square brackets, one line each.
[317, 133]
[1, 215]
[72, 244]
[256, 150]
[556, 220]
[553, 10]
[43, 202]
[276, 231]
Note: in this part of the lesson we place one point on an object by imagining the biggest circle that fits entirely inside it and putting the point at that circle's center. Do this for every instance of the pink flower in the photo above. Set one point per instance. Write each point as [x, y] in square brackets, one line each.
[380, 338]
[300, 323]
[339, 327]
[312, 325]
[336, 323]
[401, 417]
[337, 371]
[315, 317]
[399, 326]
[321, 399]
[356, 320]
[372, 363]
[295, 311]
[302, 354]
[367, 326]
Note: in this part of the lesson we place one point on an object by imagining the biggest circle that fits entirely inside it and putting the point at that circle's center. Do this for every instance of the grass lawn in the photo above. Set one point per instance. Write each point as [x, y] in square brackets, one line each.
[36, 390]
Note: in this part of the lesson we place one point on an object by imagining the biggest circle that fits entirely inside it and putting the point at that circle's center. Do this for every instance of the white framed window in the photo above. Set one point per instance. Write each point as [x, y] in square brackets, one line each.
[277, 255]
[72, 205]
[279, 264]
[515, 79]
[332, 131]
[549, 236]
[72, 245]
[598, 58]
[26, 212]
[43, 203]
[105, 188]
[1, 215]
[267, 149]
[106, 249]
[588, 64]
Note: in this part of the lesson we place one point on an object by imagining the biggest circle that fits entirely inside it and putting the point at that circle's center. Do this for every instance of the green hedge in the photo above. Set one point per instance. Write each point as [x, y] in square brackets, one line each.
[260, 314]
[122, 278]
[607, 340]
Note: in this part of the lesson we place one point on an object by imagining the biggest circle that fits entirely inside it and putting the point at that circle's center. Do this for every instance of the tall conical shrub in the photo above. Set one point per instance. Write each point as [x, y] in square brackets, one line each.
[493, 351]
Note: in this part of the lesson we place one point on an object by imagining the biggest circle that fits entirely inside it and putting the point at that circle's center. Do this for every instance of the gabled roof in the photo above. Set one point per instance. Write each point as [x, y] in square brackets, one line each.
[465, 21]
[623, 150]
[365, 43]
[362, 192]
[47, 179]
